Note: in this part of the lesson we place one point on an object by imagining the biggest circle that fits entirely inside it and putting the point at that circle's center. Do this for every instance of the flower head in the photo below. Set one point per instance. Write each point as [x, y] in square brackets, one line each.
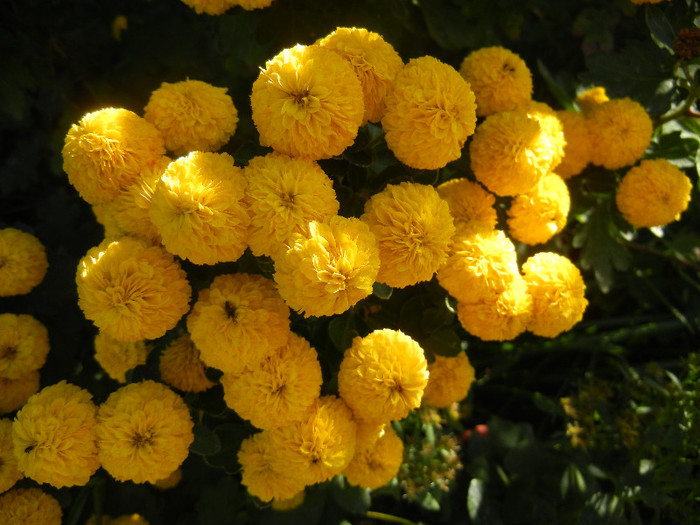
[24, 345]
[16, 392]
[29, 506]
[472, 207]
[210, 7]
[117, 357]
[551, 126]
[450, 380]
[9, 473]
[23, 262]
[181, 366]
[375, 466]
[591, 98]
[577, 152]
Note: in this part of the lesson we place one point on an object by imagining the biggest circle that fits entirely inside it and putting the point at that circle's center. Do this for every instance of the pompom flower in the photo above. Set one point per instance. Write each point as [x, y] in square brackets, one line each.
[9, 473]
[210, 7]
[284, 195]
[24, 345]
[23, 262]
[383, 375]
[577, 152]
[198, 209]
[374, 61]
[414, 229]
[132, 291]
[53, 436]
[375, 466]
[654, 193]
[181, 366]
[16, 392]
[238, 320]
[118, 357]
[144, 432]
[471, 206]
[429, 114]
[107, 149]
[500, 79]
[307, 102]
[250, 5]
[557, 291]
[30, 506]
[330, 269]
[450, 380]
[552, 127]
[591, 98]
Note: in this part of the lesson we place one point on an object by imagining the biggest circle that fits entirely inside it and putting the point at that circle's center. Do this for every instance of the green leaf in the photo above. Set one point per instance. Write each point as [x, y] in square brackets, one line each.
[547, 404]
[230, 435]
[429, 502]
[555, 88]
[444, 342]
[206, 442]
[446, 24]
[355, 500]
[475, 496]
[342, 330]
[675, 148]
[381, 290]
[661, 31]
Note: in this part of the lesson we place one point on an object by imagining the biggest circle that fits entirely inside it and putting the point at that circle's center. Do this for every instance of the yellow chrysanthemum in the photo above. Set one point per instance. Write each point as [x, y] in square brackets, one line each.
[375, 466]
[23, 262]
[210, 7]
[29, 506]
[510, 152]
[577, 152]
[450, 380]
[414, 229]
[307, 102]
[284, 505]
[54, 436]
[552, 127]
[107, 149]
[536, 216]
[192, 115]
[24, 345]
[374, 61]
[284, 195]
[429, 113]
[620, 133]
[500, 79]
[16, 392]
[331, 268]
[591, 98]
[118, 357]
[9, 473]
[471, 206]
[132, 291]
[557, 291]
[198, 209]
[383, 375]
[169, 482]
[250, 5]
[654, 193]
[181, 366]
[144, 432]
[279, 389]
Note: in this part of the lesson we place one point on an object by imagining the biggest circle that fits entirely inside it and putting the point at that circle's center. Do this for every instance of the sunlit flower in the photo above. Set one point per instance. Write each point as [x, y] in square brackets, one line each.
[471, 206]
[181, 366]
[29, 506]
[552, 127]
[577, 152]
[450, 380]
[210, 7]
[591, 98]
[375, 466]
[23, 262]
[118, 357]
[24, 345]
[16, 392]
[9, 473]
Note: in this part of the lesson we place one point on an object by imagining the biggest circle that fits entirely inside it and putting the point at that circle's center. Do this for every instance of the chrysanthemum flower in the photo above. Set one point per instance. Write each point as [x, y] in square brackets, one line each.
[374, 61]
[23, 262]
[471, 206]
[429, 114]
[9, 473]
[450, 380]
[132, 291]
[24, 345]
[414, 229]
[307, 102]
[368, 432]
[591, 98]
[118, 357]
[536, 216]
[284, 195]
[29, 506]
[181, 366]
[654, 193]
[375, 466]
[557, 291]
[54, 436]
[552, 127]
[210, 7]
[144, 432]
[198, 208]
[107, 149]
[192, 115]
[250, 5]
[620, 133]
[239, 319]
[331, 268]
[577, 152]
[278, 389]
[284, 505]
[500, 79]
[16, 392]
[383, 375]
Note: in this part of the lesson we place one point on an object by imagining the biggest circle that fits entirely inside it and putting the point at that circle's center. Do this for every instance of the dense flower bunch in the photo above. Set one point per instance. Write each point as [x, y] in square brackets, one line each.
[23, 262]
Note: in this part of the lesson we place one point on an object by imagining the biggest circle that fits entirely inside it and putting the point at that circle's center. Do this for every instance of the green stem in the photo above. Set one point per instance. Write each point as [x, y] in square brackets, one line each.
[687, 105]
[388, 518]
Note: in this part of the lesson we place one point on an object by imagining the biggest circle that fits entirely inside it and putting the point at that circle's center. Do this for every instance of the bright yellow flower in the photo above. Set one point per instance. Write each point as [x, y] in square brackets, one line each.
[330, 269]
[107, 149]
[283, 505]
[429, 114]
[9, 473]
[23, 262]
[591, 98]
[375, 466]
[15, 392]
[24, 345]
[210, 7]
[307, 102]
[552, 127]
[181, 366]
[472, 207]
[198, 209]
[132, 291]
[654, 193]
[577, 152]
[118, 357]
[414, 229]
[53, 436]
[250, 5]
[368, 432]
[450, 380]
[500, 79]
[29, 506]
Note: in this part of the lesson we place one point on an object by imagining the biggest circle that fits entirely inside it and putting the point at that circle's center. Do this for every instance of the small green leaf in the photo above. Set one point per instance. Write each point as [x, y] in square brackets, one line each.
[206, 442]
[429, 502]
[444, 342]
[342, 330]
[230, 435]
[675, 148]
[355, 500]
[475, 496]
[547, 404]
[381, 290]
[661, 31]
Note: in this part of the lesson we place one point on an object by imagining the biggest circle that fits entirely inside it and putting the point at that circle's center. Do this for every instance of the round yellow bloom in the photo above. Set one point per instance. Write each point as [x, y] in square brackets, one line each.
[375, 466]
[307, 102]
[9, 473]
[577, 152]
[620, 133]
[118, 357]
[536, 216]
[144, 432]
[654, 193]
[284, 195]
[210, 7]
[450, 380]
[414, 229]
[591, 98]
[279, 389]
[383, 375]
[107, 149]
[192, 115]
[283, 505]
[374, 61]
[472, 207]
[170, 481]
[54, 436]
[557, 291]
[132, 291]
[500, 79]
[198, 209]
[29, 507]
[552, 127]
[15, 392]
[429, 114]
[330, 269]
[181, 366]
[23, 262]
[24, 345]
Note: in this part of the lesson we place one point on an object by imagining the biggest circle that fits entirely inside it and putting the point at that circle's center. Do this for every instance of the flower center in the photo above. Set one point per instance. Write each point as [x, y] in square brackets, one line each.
[301, 98]
[8, 352]
[230, 310]
[287, 199]
[142, 440]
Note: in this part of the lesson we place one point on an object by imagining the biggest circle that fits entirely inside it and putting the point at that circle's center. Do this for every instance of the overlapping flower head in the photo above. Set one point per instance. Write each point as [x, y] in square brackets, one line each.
[375, 465]
[23, 262]
[471, 206]
[24, 345]
[117, 357]
[449, 380]
[181, 366]
[29, 506]
[219, 7]
[9, 473]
